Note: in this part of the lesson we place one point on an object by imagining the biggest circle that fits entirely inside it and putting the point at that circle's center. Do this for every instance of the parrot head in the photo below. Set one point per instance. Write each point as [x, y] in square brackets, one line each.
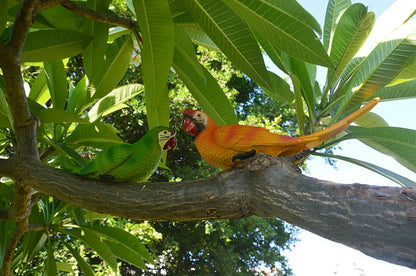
[166, 138]
[194, 121]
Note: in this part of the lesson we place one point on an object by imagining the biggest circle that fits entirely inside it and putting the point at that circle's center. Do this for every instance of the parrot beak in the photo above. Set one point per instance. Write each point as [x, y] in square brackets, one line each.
[188, 123]
[172, 142]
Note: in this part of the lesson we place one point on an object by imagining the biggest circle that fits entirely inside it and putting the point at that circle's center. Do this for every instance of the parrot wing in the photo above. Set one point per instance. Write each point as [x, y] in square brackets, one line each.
[107, 160]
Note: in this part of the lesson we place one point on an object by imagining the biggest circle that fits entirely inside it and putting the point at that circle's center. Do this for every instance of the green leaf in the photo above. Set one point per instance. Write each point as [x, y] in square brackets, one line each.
[48, 45]
[298, 103]
[126, 239]
[56, 115]
[232, 35]
[198, 36]
[3, 15]
[116, 32]
[57, 84]
[205, 90]
[65, 267]
[333, 11]
[401, 180]
[83, 265]
[400, 143]
[94, 54]
[7, 118]
[156, 27]
[51, 269]
[93, 240]
[371, 119]
[61, 18]
[97, 135]
[112, 71]
[287, 25]
[78, 97]
[185, 48]
[39, 91]
[281, 90]
[125, 253]
[350, 34]
[381, 67]
[113, 99]
[404, 90]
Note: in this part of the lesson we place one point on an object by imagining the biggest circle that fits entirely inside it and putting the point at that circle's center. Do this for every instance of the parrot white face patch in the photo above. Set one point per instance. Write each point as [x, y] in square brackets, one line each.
[167, 139]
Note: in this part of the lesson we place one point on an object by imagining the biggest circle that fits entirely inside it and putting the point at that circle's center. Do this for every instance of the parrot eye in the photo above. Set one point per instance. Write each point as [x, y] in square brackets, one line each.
[165, 132]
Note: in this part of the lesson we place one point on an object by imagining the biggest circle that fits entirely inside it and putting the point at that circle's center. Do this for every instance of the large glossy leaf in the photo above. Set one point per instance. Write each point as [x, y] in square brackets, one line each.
[399, 179]
[351, 32]
[300, 114]
[205, 89]
[156, 27]
[381, 67]
[126, 239]
[117, 60]
[57, 83]
[93, 240]
[97, 135]
[48, 45]
[333, 11]
[404, 90]
[287, 25]
[232, 35]
[198, 36]
[371, 119]
[399, 143]
[94, 54]
[112, 100]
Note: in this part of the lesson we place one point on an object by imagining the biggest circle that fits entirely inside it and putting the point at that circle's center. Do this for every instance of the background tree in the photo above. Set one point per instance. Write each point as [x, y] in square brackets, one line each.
[70, 105]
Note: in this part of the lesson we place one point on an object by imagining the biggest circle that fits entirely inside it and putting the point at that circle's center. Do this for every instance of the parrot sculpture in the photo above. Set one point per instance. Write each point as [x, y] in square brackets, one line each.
[222, 145]
[131, 162]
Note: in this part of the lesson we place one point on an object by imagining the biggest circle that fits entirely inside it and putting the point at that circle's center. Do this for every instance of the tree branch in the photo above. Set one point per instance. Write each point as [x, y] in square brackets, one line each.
[379, 221]
[98, 16]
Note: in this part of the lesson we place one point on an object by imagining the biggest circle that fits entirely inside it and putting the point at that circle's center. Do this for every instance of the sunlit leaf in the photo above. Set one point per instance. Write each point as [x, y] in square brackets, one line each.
[156, 27]
[116, 97]
[232, 35]
[97, 135]
[56, 115]
[117, 60]
[400, 143]
[51, 269]
[406, 90]
[57, 83]
[205, 90]
[48, 45]
[333, 11]
[94, 54]
[287, 25]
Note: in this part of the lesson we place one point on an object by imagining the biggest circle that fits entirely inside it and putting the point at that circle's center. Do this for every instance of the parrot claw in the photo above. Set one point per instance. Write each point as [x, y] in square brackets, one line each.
[244, 155]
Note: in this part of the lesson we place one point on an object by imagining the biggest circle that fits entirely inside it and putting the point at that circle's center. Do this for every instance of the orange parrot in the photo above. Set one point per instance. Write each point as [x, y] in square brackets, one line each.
[222, 145]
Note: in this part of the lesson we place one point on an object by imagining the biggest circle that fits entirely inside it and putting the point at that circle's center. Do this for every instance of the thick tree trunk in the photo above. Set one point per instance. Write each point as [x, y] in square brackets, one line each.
[379, 221]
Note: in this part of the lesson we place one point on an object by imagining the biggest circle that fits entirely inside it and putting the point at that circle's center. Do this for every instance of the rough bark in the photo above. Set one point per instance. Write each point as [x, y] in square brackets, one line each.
[379, 221]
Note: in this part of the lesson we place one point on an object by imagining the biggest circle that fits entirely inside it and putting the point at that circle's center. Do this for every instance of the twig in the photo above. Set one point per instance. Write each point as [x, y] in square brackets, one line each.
[98, 16]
